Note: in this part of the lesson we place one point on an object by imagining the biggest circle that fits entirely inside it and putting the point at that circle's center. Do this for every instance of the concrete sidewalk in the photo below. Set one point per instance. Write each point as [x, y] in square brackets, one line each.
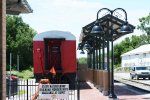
[89, 92]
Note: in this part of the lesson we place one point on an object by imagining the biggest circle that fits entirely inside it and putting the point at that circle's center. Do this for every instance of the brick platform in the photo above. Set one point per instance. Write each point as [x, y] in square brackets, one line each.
[89, 92]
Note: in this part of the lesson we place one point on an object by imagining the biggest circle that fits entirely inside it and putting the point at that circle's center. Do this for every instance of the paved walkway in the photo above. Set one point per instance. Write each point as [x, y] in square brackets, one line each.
[89, 92]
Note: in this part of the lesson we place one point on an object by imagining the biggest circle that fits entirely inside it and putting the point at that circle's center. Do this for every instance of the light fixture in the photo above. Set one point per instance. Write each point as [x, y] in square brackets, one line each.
[126, 28]
[80, 46]
[97, 29]
[87, 46]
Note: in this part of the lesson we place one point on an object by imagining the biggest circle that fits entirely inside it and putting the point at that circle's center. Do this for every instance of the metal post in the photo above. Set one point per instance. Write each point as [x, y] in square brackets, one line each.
[90, 60]
[78, 83]
[108, 62]
[94, 59]
[97, 67]
[27, 89]
[100, 66]
[18, 62]
[103, 54]
[112, 94]
[10, 75]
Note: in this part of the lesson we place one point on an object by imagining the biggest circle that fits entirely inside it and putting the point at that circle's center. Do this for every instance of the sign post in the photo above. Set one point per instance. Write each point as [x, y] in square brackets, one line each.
[54, 91]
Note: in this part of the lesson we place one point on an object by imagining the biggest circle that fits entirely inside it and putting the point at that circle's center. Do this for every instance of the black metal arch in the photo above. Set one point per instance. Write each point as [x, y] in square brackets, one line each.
[117, 23]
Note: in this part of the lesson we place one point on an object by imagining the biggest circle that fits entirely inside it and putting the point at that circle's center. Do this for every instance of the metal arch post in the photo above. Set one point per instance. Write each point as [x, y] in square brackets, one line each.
[123, 11]
[101, 10]
[108, 58]
[112, 93]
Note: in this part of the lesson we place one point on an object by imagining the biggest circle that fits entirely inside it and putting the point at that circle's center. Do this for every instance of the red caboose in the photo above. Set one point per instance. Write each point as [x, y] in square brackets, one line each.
[54, 49]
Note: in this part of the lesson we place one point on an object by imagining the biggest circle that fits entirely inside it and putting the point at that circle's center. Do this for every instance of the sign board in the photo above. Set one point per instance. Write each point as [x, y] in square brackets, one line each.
[53, 91]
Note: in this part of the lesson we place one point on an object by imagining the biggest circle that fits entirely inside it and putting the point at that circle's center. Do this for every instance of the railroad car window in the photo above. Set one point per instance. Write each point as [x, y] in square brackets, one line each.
[55, 49]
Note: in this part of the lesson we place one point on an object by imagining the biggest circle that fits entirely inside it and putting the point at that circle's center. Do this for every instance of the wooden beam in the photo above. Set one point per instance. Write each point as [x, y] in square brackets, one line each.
[2, 49]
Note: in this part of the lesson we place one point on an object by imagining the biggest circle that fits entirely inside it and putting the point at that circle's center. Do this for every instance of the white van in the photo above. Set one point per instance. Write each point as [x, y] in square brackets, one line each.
[140, 72]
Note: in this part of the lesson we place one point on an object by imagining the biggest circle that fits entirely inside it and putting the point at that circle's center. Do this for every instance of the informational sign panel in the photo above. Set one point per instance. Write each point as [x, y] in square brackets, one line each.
[53, 91]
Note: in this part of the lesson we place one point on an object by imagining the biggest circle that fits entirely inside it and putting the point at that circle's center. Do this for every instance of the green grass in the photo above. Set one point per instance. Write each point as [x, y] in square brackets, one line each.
[21, 92]
[25, 74]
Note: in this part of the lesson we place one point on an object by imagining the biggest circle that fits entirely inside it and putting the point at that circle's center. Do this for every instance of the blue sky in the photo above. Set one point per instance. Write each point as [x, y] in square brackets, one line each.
[72, 15]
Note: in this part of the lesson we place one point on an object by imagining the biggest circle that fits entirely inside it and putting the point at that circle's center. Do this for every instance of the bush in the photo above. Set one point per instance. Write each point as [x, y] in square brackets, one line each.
[25, 74]
[82, 60]
[122, 69]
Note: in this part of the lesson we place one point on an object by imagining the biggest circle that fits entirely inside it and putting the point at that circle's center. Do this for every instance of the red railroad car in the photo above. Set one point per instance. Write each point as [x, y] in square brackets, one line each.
[55, 49]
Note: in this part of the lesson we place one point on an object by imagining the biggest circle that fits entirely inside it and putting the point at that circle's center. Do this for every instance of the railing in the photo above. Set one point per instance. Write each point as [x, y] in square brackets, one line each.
[24, 89]
[21, 89]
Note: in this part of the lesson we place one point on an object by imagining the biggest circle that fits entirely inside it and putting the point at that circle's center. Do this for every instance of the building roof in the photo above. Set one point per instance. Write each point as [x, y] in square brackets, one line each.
[15, 7]
[54, 34]
[140, 50]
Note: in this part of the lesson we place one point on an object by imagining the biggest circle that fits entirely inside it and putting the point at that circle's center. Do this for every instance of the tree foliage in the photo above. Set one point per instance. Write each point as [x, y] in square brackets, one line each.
[145, 24]
[19, 41]
[129, 44]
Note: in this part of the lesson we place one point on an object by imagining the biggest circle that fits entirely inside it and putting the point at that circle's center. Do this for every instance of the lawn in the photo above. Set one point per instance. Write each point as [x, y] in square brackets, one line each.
[25, 74]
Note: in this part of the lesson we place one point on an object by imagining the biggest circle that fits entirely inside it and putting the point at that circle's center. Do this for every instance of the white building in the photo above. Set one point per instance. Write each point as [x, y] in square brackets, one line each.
[137, 57]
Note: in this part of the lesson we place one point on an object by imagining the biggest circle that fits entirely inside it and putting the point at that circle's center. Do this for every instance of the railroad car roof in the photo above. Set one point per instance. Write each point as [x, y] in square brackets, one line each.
[54, 34]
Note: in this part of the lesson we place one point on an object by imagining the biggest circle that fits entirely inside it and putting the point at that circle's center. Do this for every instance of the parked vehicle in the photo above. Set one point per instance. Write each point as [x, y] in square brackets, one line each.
[140, 72]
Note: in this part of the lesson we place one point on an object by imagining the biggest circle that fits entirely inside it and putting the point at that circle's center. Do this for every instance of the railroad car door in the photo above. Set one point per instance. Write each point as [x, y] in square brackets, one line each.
[53, 54]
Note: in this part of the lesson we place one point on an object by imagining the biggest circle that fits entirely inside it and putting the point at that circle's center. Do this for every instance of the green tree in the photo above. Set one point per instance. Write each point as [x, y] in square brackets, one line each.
[19, 37]
[118, 48]
[136, 41]
[145, 24]
[127, 45]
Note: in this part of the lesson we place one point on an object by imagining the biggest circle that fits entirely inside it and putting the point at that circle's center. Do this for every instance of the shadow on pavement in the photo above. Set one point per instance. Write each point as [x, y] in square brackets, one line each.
[84, 85]
[121, 90]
